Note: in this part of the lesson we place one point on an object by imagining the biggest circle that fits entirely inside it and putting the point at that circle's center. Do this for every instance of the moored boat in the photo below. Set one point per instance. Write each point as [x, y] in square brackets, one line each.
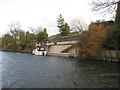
[39, 51]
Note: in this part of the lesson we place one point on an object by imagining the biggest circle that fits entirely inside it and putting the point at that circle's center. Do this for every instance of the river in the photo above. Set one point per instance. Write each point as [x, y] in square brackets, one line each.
[24, 70]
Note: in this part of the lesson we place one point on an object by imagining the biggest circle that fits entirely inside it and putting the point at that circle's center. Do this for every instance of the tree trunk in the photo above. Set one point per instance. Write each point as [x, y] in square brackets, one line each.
[117, 19]
[117, 23]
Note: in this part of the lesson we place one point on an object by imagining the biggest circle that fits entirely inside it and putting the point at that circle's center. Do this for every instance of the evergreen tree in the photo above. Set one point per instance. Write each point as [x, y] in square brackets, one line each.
[64, 28]
[42, 36]
[60, 21]
[45, 35]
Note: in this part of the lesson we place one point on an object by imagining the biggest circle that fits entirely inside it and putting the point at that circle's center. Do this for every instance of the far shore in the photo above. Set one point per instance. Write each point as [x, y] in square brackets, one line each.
[16, 51]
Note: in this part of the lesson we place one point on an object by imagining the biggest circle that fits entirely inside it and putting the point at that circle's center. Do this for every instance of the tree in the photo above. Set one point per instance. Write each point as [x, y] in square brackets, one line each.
[7, 42]
[46, 35]
[45, 31]
[28, 37]
[42, 36]
[22, 36]
[91, 41]
[14, 28]
[35, 30]
[60, 21]
[114, 7]
[117, 19]
[111, 37]
[107, 6]
[78, 25]
[64, 28]
[21, 39]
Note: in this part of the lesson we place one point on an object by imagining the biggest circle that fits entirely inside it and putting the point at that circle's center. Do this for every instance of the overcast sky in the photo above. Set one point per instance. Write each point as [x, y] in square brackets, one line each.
[44, 13]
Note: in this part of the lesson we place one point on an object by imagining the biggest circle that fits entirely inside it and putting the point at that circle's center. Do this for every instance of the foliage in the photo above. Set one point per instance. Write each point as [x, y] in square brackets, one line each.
[28, 39]
[111, 42]
[6, 38]
[60, 21]
[102, 22]
[42, 36]
[90, 42]
[112, 6]
[29, 45]
[64, 28]
[19, 40]
[113, 34]
[22, 45]
[59, 38]
[22, 36]
[54, 38]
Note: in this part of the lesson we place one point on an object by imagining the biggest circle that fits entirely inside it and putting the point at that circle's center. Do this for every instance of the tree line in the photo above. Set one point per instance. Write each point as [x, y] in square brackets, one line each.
[19, 40]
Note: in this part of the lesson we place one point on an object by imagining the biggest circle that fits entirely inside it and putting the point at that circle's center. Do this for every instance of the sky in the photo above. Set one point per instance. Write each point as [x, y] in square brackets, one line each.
[44, 13]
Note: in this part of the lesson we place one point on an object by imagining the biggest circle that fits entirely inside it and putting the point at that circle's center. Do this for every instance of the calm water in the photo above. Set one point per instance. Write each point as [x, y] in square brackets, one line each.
[22, 70]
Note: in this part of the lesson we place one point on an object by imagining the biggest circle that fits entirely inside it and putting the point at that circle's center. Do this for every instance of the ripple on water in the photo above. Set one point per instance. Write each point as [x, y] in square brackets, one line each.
[22, 70]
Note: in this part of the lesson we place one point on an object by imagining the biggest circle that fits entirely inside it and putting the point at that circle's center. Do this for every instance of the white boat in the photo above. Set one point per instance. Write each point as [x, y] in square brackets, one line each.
[39, 51]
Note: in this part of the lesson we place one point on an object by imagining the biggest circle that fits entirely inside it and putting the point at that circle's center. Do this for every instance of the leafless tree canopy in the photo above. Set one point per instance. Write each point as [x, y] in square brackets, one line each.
[78, 25]
[35, 30]
[106, 6]
[14, 28]
[98, 5]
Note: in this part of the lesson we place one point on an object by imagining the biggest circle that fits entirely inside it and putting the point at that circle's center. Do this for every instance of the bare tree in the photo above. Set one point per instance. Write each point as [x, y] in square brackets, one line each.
[35, 30]
[106, 6]
[78, 25]
[14, 28]
[117, 19]
[32, 30]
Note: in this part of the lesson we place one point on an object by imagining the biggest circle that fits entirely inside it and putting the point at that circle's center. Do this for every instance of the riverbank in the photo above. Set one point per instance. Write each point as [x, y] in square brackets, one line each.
[21, 51]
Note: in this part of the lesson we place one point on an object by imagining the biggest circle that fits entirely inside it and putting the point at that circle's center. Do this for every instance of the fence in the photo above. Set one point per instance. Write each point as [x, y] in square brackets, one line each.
[109, 55]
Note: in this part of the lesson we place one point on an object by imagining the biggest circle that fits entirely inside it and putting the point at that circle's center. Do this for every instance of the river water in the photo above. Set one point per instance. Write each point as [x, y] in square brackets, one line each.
[24, 70]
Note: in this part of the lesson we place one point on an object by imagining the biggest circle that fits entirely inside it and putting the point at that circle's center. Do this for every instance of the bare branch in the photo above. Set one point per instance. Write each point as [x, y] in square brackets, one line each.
[78, 25]
[105, 6]
[98, 5]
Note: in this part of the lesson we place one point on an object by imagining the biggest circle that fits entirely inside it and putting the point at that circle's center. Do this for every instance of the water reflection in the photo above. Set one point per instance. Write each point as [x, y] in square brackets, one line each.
[21, 70]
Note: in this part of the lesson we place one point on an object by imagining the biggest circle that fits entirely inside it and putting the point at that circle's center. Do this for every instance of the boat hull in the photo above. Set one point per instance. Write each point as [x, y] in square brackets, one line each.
[41, 53]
